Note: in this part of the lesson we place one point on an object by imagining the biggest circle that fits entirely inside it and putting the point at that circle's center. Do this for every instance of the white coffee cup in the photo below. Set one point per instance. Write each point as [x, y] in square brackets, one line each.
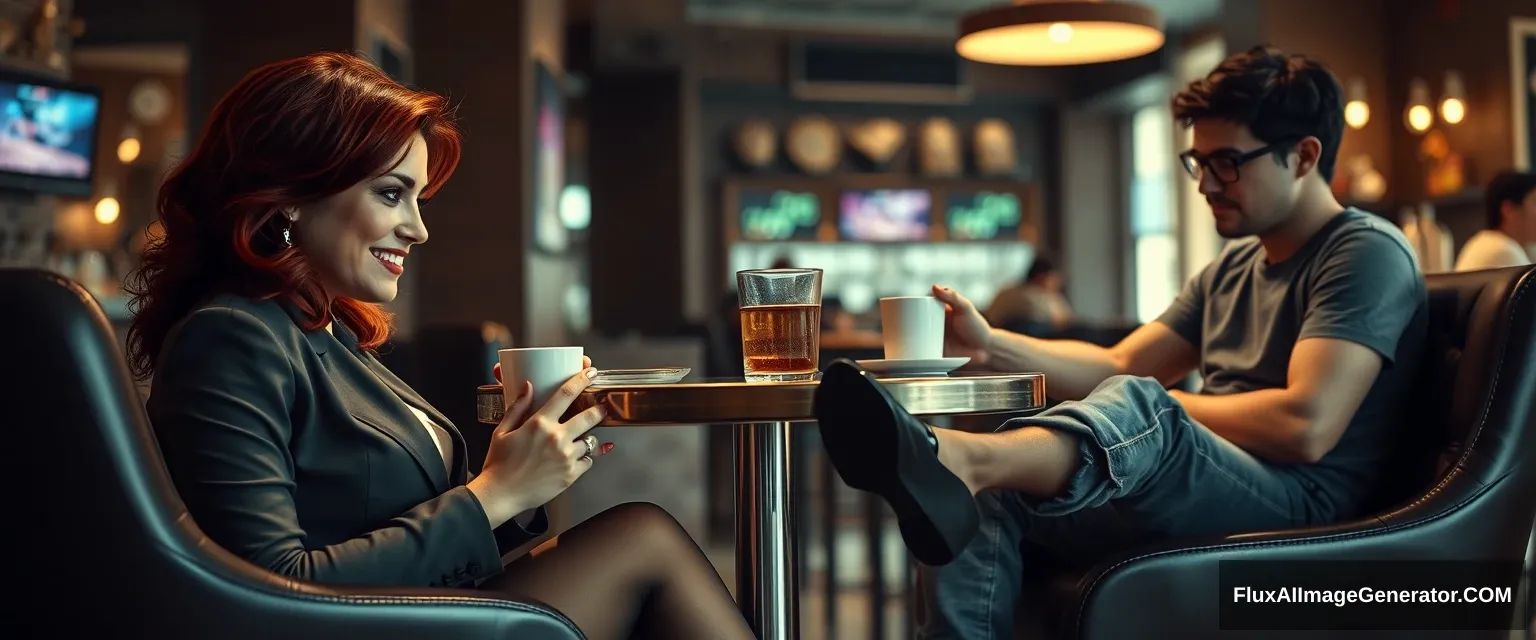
[546, 367]
[912, 327]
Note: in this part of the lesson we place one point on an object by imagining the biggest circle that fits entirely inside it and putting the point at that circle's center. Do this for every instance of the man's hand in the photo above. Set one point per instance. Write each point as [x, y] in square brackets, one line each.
[966, 332]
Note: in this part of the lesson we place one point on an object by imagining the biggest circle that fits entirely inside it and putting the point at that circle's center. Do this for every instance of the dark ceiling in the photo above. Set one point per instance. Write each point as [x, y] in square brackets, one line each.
[918, 17]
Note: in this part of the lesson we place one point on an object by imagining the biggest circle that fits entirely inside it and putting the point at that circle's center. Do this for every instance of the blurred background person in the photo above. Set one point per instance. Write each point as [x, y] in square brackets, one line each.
[1511, 205]
[1037, 301]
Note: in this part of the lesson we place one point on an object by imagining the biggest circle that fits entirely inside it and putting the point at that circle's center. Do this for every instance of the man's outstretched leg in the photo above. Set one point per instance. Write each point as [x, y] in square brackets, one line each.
[1128, 445]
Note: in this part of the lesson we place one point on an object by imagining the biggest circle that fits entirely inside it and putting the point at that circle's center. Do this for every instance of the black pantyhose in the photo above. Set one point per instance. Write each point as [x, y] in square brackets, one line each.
[628, 572]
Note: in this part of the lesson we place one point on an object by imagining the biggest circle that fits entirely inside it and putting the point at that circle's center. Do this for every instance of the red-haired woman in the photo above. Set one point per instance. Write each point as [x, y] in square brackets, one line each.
[291, 445]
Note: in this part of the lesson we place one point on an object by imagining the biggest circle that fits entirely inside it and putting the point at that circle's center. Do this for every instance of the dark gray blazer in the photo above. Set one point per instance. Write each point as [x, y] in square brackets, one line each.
[295, 451]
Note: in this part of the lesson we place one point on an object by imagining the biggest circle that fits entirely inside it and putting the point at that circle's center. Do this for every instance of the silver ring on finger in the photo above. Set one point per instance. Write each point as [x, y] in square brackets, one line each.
[591, 442]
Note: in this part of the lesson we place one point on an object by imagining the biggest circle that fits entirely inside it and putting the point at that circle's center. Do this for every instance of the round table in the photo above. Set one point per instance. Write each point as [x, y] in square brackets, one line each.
[766, 578]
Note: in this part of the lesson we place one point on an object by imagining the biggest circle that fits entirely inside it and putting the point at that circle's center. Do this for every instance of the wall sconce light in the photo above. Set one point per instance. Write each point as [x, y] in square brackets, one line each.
[1453, 107]
[1357, 111]
[107, 207]
[107, 210]
[128, 150]
[1418, 116]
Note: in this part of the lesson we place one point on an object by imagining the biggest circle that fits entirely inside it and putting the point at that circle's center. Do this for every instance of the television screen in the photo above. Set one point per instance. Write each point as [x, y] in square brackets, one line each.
[982, 215]
[777, 214]
[47, 135]
[885, 215]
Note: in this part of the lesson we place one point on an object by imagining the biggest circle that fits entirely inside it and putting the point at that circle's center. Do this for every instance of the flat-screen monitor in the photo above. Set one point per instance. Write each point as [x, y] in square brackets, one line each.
[767, 214]
[48, 135]
[983, 215]
[885, 215]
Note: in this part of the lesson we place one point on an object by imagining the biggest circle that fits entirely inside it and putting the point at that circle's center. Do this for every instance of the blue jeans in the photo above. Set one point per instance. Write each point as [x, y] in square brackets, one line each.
[1148, 472]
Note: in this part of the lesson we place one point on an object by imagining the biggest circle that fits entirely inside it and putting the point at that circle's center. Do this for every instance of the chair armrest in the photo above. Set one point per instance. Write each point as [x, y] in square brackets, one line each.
[1178, 583]
[461, 613]
[236, 600]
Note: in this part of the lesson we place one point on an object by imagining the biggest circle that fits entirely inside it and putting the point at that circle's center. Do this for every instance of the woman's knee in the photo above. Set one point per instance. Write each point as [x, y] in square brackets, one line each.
[647, 522]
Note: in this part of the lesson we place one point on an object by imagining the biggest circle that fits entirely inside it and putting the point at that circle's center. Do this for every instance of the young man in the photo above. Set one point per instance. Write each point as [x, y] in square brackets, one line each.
[1307, 330]
[1511, 204]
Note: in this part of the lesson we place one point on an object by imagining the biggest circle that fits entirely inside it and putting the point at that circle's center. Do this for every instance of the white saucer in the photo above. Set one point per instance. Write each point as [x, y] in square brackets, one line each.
[923, 367]
[620, 377]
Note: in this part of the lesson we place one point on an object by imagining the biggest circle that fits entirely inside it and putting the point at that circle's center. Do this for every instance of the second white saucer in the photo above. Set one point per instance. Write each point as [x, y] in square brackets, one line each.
[923, 367]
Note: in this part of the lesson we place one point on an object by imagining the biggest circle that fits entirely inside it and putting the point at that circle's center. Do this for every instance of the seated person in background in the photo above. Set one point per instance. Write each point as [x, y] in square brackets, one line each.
[292, 447]
[1038, 300]
[1307, 327]
[1510, 201]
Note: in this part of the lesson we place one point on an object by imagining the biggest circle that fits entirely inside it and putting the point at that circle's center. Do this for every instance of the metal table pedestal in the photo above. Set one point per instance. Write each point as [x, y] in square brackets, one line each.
[767, 577]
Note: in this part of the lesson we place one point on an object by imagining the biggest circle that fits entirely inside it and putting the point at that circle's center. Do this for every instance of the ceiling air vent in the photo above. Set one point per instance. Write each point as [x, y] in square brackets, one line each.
[870, 72]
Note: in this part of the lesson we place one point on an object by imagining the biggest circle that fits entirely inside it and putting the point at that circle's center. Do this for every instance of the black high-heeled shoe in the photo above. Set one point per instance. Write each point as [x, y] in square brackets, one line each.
[876, 446]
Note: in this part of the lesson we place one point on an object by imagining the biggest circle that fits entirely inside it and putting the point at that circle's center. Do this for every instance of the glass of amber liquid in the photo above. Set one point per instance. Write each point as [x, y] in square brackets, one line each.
[780, 323]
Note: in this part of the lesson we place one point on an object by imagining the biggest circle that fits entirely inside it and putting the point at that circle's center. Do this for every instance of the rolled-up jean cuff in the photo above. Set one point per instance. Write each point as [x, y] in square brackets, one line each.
[1092, 484]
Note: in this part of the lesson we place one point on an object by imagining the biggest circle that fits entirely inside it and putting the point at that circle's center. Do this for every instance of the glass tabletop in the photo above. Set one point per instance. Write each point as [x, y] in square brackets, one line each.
[734, 400]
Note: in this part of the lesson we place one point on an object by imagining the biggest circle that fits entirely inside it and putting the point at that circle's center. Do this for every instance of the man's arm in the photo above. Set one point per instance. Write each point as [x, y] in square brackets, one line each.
[1165, 350]
[1362, 299]
[1327, 380]
[1073, 369]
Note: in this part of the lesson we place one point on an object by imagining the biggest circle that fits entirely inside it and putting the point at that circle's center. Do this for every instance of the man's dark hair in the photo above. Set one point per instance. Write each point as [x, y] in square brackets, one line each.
[1509, 186]
[1279, 97]
[1040, 267]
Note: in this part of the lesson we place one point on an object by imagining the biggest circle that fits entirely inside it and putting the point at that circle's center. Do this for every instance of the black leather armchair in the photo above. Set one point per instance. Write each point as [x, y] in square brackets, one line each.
[1463, 487]
[98, 539]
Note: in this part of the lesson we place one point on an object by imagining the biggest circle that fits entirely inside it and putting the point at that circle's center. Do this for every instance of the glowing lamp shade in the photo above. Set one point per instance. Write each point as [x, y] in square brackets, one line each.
[107, 210]
[128, 150]
[1453, 107]
[1418, 116]
[1357, 112]
[1059, 33]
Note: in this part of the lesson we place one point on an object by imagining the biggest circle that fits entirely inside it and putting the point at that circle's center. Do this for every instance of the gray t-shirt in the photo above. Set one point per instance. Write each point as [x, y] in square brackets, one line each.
[1357, 279]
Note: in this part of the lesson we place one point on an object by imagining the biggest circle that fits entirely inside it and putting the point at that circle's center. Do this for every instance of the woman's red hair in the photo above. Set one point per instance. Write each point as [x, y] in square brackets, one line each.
[289, 134]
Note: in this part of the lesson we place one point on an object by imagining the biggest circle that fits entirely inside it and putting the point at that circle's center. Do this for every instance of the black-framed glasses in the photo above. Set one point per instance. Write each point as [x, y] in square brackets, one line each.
[1225, 164]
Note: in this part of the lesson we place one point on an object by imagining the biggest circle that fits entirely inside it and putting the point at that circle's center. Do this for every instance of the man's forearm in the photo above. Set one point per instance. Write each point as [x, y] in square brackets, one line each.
[1072, 369]
[1266, 423]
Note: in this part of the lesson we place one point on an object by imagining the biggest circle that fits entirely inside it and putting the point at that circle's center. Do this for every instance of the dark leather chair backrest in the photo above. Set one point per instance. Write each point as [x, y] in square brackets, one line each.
[102, 540]
[1469, 426]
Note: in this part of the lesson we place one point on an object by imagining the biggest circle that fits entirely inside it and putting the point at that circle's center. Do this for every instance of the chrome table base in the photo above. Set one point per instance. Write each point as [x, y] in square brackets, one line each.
[767, 580]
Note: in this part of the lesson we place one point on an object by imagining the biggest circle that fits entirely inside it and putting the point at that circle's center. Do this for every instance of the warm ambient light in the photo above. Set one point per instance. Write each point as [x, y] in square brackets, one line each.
[1453, 107]
[1452, 110]
[128, 150]
[1419, 118]
[1357, 113]
[107, 210]
[1059, 32]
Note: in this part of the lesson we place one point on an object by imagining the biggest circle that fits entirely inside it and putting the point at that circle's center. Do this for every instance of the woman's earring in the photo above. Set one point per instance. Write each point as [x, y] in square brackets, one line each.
[288, 234]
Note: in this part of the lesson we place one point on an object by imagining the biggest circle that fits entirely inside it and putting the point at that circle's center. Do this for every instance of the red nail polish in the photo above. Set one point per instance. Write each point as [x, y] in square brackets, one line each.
[607, 447]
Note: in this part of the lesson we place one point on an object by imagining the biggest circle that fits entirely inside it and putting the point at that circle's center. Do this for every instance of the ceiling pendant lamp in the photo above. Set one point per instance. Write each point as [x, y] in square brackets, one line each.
[1059, 32]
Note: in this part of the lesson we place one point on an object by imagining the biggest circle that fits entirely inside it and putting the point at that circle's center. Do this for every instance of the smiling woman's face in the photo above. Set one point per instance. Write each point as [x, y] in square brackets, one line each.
[357, 240]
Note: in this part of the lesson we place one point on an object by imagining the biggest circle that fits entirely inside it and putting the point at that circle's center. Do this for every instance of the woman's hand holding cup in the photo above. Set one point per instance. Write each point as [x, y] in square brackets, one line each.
[533, 458]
